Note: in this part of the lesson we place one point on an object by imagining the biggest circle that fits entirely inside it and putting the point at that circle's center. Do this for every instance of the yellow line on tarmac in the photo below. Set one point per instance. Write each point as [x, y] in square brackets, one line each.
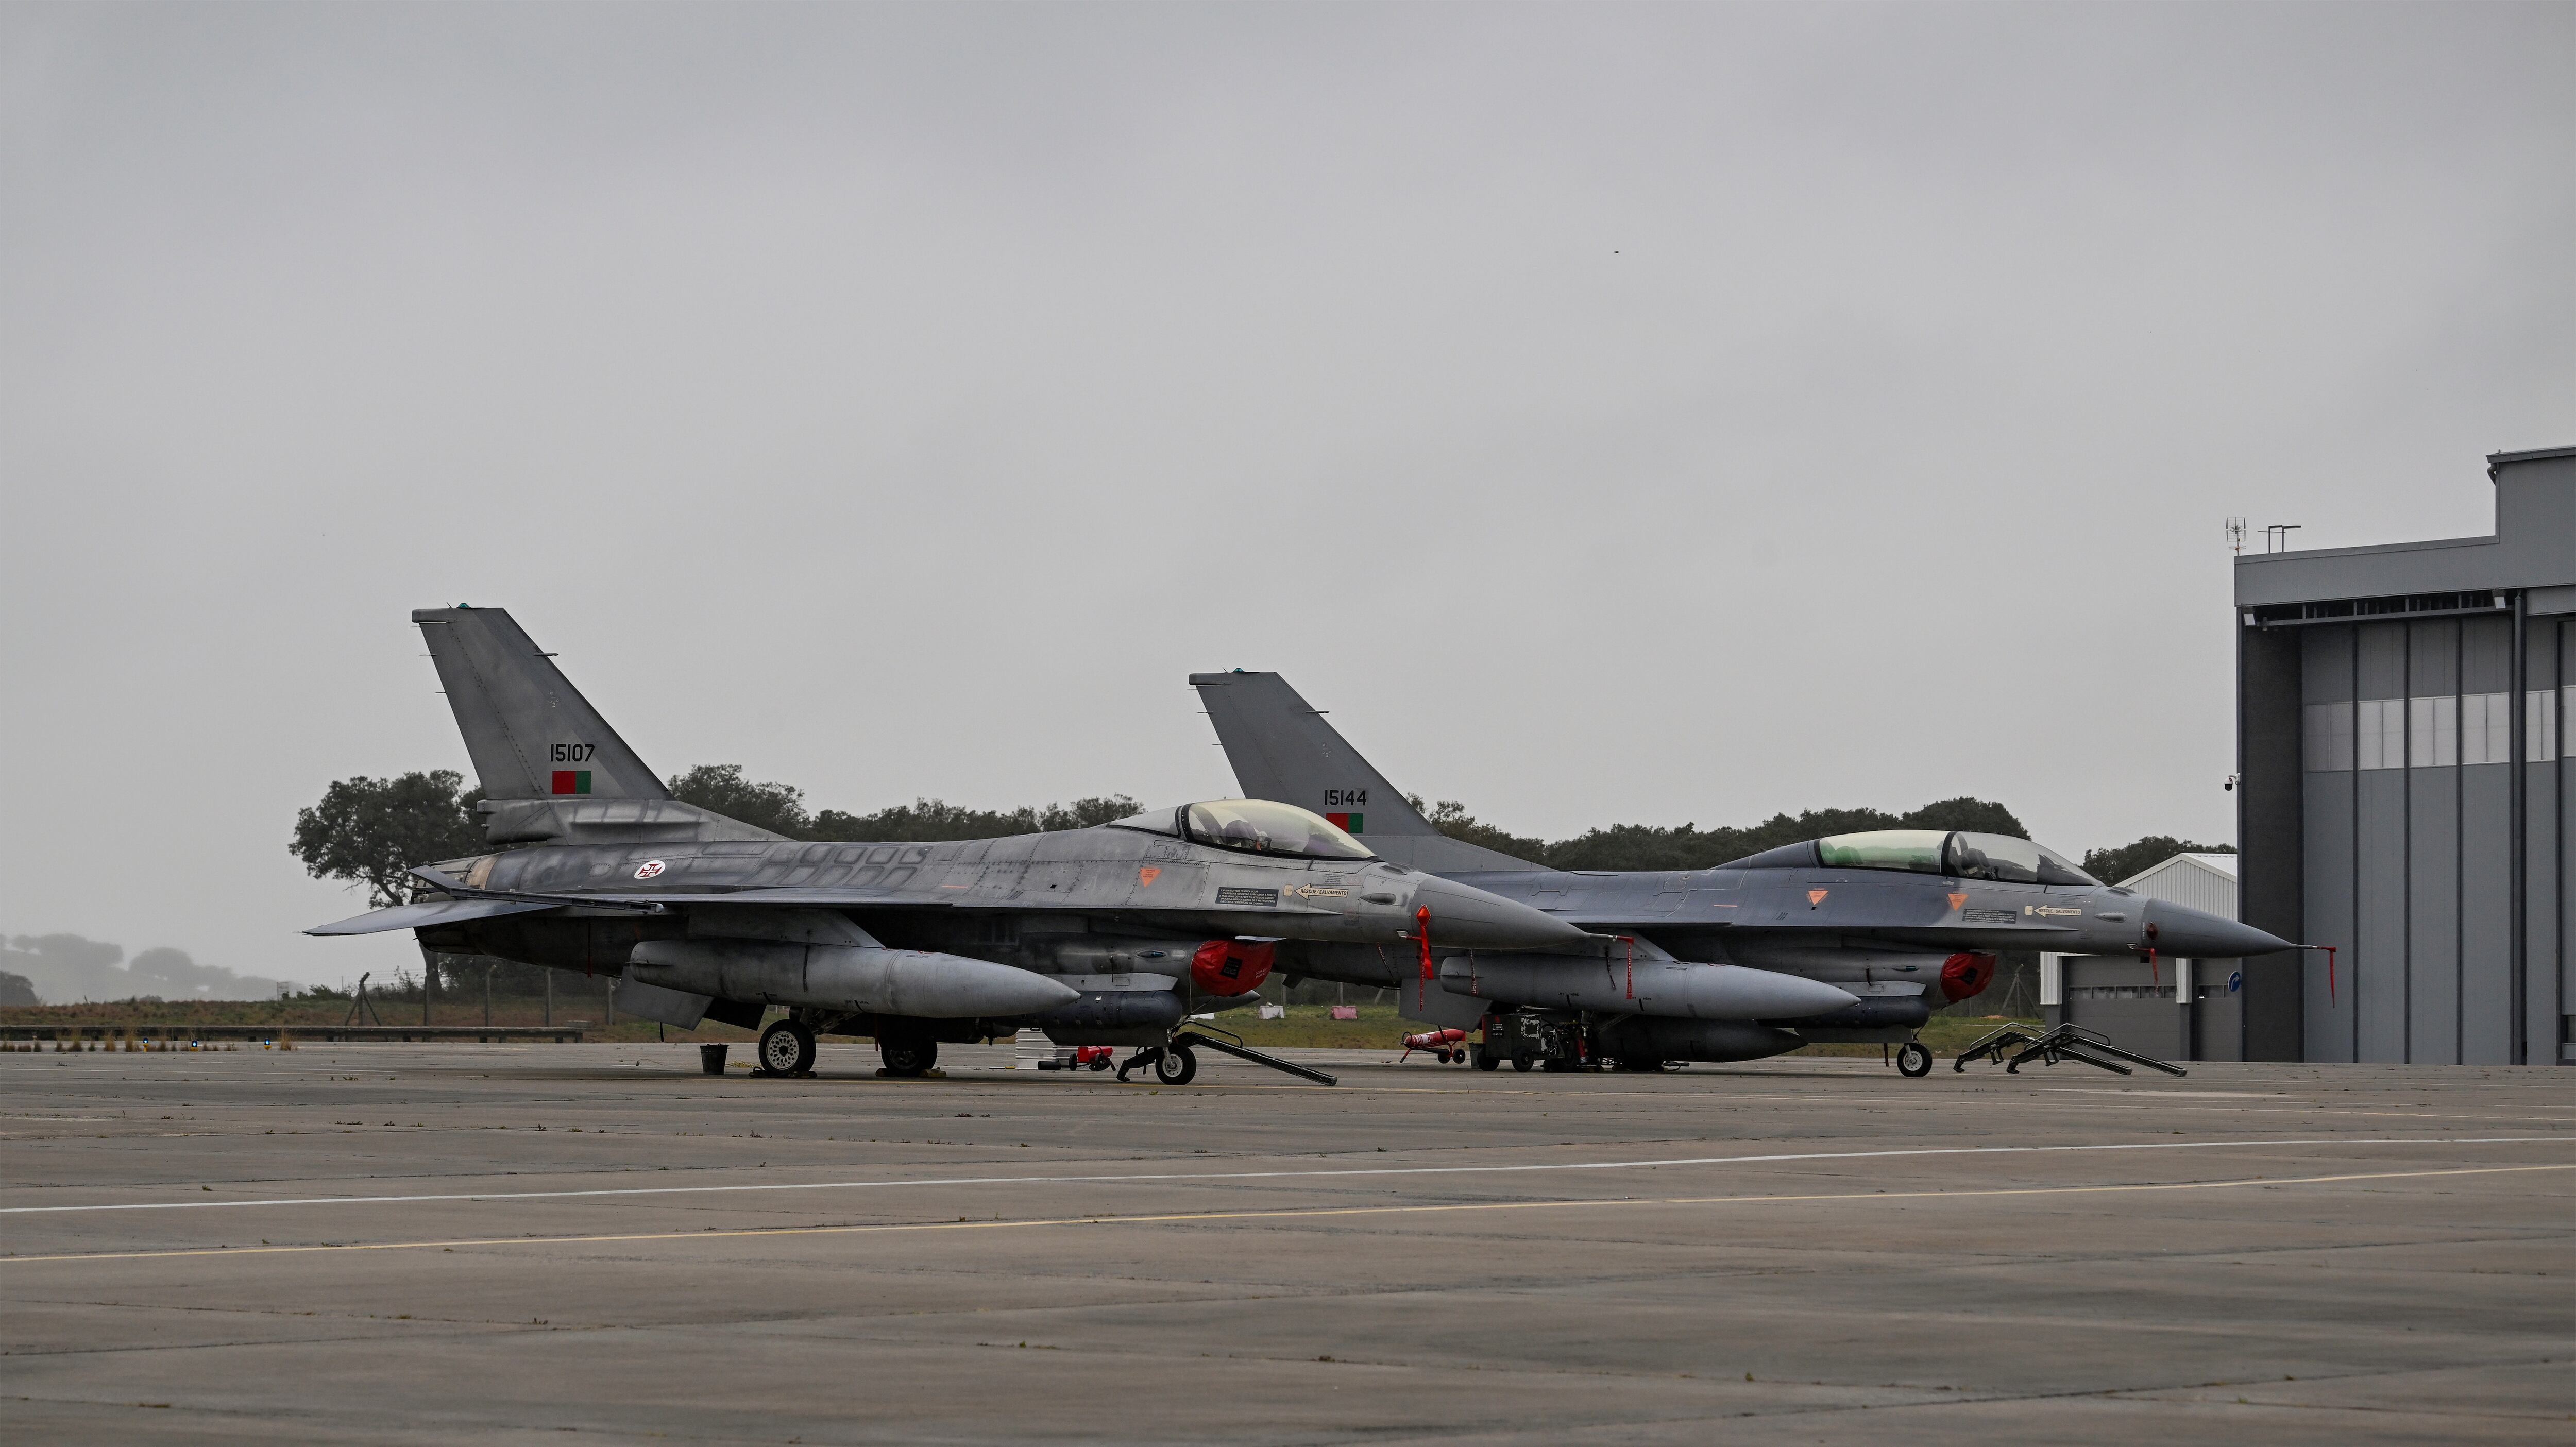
[1307, 1213]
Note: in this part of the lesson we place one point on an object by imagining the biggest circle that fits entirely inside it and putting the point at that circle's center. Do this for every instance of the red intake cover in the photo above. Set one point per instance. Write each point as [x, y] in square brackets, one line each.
[1230, 967]
[1964, 976]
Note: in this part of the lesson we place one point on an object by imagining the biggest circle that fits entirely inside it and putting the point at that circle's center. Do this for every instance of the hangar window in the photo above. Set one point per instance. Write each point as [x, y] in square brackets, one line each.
[1260, 826]
[2329, 744]
[2379, 733]
[2433, 731]
[2486, 728]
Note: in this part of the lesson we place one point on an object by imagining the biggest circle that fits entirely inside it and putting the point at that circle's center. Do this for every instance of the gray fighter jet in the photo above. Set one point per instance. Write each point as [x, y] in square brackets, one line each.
[1856, 937]
[1103, 936]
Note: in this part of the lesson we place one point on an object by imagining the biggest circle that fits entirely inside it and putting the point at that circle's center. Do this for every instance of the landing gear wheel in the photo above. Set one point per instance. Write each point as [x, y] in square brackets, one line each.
[1522, 1063]
[786, 1048]
[1913, 1060]
[908, 1057]
[1175, 1066]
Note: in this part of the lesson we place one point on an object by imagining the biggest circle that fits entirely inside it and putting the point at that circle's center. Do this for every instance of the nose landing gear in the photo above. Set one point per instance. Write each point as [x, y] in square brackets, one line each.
[1172, 1064]
[1913, 1060]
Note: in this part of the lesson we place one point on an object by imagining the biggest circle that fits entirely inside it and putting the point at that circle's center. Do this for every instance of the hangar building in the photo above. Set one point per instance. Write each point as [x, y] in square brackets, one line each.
[2401, 795]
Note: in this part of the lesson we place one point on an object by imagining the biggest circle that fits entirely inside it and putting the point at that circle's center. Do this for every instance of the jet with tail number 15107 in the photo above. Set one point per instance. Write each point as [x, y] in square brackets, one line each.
[1103, 936]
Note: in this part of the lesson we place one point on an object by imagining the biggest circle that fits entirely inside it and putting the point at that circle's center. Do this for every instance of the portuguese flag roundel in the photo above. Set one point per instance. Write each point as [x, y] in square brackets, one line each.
[572, 781]
[1347, 823]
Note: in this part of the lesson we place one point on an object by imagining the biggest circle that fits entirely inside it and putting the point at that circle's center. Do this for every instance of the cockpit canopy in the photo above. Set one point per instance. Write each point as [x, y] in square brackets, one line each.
[1254, 826]
[1955, 853]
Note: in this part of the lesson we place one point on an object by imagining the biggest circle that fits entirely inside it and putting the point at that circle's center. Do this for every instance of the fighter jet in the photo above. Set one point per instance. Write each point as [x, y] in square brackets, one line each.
[1101, 936]
[1856, 937]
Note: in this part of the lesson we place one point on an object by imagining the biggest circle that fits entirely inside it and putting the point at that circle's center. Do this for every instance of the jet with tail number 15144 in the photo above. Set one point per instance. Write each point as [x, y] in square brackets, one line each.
[1852, 938]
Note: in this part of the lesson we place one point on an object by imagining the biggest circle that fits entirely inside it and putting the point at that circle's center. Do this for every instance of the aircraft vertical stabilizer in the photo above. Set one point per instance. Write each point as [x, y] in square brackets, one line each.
[1281, 748]
[530, 732]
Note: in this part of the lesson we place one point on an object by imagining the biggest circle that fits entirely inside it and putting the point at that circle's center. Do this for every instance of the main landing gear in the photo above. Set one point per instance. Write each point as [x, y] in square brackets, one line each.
[907, 1058]
[786, 1048]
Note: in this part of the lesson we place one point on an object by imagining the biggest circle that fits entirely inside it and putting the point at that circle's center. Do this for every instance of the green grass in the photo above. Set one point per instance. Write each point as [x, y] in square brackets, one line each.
[1946, 1035]
[1312, 1026]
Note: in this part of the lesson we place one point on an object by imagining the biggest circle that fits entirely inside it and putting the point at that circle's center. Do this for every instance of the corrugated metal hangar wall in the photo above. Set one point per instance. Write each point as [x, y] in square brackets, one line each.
[2401, 793]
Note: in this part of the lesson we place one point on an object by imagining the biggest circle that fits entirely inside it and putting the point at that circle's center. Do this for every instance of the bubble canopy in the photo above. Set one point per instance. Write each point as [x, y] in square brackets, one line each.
[1253, 826]
[1954, 853]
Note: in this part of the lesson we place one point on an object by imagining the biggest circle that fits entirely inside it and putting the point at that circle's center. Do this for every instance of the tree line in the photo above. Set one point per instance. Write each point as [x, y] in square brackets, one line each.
[373, 831]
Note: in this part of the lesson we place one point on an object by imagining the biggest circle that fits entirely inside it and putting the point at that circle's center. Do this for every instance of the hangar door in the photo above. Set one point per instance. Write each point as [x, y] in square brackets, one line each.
[2174, 1010]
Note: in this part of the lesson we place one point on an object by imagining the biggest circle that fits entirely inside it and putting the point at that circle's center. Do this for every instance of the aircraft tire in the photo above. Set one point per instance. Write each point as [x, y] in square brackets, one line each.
[786, 1048]
[1913, 1060]
[1175, 1066]
[908, 1057]
[1522, 1063]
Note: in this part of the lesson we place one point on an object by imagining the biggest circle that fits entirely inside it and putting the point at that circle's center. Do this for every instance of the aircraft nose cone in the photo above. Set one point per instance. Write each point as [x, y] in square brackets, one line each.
[1464, 915]
[2195, 934]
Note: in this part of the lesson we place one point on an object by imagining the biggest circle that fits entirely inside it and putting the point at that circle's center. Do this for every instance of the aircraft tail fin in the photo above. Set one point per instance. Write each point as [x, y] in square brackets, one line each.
[1281, 748]
[529, 731]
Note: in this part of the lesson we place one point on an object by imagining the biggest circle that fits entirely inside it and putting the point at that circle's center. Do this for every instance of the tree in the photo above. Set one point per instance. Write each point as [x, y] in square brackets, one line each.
[372, 831]
[1983, 816]
[778, 808]
[924, 820]
[1451, 818]
[2113, 865]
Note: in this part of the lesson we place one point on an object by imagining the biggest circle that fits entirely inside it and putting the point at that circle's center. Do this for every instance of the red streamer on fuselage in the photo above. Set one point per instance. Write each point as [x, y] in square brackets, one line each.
[1422, 939]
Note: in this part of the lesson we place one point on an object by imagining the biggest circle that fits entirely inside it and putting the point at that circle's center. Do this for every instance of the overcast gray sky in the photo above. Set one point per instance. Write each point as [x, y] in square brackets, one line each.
[1651, 414]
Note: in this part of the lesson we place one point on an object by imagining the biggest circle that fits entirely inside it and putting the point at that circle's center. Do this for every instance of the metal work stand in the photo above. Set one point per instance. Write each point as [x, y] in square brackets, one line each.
[2066, 1042]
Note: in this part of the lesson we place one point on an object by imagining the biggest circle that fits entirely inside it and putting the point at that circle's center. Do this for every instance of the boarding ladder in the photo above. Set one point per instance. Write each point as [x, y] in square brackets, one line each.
[1241, 1051]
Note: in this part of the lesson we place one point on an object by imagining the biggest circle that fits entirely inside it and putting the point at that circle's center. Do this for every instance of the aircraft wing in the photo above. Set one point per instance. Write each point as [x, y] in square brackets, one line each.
[495, 904]
[422, 916]
[907, 898]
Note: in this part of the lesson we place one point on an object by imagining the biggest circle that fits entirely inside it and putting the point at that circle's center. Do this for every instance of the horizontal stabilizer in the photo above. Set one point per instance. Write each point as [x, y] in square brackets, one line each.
[422, 916]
